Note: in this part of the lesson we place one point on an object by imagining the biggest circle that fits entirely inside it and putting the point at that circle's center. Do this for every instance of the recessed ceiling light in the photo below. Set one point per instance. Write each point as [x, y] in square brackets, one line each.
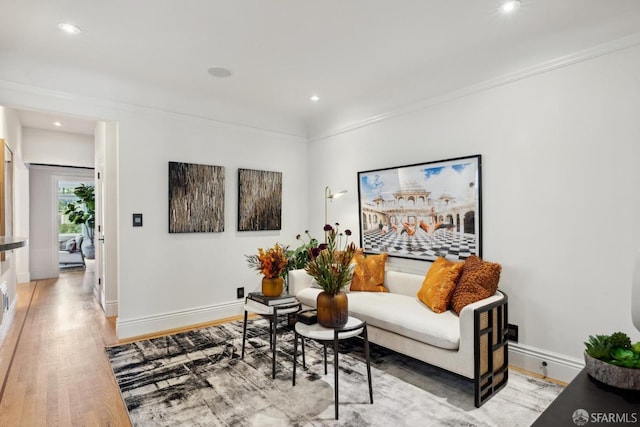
[57, 124]
[314, 98]
[510, 6]
[219, 72]
[69, 28]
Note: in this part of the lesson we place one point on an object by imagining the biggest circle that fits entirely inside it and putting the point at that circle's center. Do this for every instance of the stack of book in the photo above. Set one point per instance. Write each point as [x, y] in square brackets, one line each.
[264, 304]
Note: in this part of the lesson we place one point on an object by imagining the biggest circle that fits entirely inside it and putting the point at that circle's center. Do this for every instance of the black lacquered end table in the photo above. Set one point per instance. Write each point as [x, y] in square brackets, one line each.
[588, 401]
[332, 336]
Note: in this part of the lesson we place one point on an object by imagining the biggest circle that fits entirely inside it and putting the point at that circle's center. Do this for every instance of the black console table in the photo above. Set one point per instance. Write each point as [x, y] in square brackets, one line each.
[603, 404]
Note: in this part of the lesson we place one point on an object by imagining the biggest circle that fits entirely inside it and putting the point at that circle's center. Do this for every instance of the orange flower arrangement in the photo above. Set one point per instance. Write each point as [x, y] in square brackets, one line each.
[270, 262]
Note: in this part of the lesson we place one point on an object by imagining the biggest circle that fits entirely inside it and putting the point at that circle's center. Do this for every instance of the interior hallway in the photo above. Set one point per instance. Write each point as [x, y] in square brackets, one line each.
[53, 367]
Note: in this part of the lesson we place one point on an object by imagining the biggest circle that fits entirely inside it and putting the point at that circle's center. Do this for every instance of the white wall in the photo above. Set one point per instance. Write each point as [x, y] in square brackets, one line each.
[171, 280]
[43, 193]
[57, 148]
[21, 216]
[560, 193]
[14, 267]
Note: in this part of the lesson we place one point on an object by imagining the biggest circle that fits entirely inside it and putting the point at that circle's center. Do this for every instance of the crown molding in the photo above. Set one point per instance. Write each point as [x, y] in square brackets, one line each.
[565, 61]
[18, 88]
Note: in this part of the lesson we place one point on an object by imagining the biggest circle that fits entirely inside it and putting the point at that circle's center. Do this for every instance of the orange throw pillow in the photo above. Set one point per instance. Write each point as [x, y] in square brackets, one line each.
[479, 280]
[439, 283]
[368, 274]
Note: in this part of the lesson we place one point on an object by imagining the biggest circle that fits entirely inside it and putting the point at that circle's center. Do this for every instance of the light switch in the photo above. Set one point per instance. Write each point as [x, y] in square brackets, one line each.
[137, 220]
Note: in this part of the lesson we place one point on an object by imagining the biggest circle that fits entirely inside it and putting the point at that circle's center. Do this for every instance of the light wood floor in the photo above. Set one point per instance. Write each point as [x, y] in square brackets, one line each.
[53, 366]
[52, 362]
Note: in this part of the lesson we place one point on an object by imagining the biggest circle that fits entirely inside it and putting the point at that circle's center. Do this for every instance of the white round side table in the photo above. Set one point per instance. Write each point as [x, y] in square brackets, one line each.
[332, 336]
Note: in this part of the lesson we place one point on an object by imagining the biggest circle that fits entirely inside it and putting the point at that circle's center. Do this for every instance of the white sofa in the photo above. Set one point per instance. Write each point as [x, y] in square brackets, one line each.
[472, 345]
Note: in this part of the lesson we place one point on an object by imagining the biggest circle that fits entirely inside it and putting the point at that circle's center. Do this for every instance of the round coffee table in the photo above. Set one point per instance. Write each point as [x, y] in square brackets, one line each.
[328, 336]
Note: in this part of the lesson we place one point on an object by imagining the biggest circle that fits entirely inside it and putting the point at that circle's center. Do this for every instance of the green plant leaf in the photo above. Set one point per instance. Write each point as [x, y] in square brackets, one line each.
[623, 354]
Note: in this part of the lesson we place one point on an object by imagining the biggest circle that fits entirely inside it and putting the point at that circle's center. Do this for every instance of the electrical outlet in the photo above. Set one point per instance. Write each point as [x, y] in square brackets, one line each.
[512, 332]
[543, 368]
[240, 292]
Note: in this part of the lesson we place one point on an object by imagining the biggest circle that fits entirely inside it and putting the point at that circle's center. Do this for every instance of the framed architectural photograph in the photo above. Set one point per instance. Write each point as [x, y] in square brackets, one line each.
[196, 198]
[259, 200]
[422, 211]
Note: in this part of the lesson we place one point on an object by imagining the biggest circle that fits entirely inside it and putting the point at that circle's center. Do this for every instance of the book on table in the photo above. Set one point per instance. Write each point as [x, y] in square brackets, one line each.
[270, 301]
[257, 307]
[308, 317]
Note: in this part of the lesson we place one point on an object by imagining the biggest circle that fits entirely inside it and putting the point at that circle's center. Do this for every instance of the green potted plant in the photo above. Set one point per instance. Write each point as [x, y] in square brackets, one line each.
[613, 360]
[299, 257]
[83, 212]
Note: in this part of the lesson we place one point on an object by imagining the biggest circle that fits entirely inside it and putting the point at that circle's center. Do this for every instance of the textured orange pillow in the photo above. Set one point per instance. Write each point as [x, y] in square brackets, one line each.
[368, 275]
[439, 283]
[357, 254]
[479, 280]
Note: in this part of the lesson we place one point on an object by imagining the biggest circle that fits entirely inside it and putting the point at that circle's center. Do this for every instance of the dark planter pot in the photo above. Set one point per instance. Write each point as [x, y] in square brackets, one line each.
[615, 376]
[333, 310]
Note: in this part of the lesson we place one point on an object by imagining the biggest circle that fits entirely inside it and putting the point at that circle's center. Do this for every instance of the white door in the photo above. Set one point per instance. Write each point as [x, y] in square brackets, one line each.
[106, 216]
[99, 238]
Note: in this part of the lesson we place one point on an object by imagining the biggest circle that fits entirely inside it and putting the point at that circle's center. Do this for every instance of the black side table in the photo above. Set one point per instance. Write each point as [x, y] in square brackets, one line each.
[270, 313]
[328, 336]
[588, 401]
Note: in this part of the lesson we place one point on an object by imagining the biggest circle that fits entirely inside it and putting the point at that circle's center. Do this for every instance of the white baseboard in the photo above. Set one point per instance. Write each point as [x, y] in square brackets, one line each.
[559, 366]
[23, 277]
[128, 328]
[111, 308]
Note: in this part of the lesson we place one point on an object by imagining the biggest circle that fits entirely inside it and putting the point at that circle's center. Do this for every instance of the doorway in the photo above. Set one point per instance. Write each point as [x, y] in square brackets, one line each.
[75, 241]
[53, 140]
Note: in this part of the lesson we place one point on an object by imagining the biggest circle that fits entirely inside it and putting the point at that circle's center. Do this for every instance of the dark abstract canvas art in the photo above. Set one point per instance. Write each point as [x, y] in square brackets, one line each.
[196, 198]
[259, 200]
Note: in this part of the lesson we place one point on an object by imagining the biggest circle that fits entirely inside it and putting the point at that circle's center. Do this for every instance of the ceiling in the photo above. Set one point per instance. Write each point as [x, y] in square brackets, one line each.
[38, 120]
[349, 52]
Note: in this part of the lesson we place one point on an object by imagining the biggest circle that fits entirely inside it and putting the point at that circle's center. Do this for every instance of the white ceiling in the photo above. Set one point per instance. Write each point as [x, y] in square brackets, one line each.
[37, 120]
[349, 52]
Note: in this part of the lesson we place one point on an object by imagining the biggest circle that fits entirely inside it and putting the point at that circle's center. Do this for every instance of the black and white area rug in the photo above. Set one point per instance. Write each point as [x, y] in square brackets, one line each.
[197, 378]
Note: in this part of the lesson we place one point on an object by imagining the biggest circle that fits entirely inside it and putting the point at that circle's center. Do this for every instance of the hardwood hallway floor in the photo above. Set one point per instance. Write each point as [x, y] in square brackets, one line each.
[53, 367]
